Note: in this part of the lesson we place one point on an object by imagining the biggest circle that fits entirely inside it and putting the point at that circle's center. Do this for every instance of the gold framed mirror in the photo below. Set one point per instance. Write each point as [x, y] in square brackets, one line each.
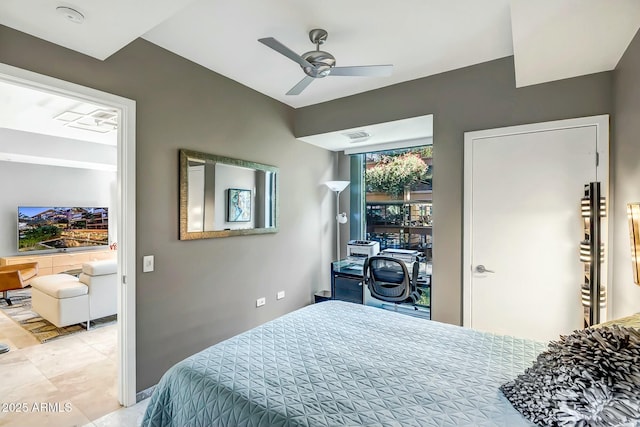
[633, 214]
[223, 197]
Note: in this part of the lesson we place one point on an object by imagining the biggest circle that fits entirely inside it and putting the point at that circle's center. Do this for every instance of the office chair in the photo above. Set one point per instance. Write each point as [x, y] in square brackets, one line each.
[388, 279]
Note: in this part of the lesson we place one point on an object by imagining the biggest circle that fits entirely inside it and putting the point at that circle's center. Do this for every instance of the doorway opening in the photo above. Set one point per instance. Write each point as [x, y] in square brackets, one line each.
[123, 202]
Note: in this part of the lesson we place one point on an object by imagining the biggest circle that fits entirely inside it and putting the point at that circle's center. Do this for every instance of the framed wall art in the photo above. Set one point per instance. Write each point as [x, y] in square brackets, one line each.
[239, 205]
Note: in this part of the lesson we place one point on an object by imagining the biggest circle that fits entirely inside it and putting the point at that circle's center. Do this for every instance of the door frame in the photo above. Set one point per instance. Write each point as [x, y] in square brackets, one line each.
[125, 211]
[602, 174]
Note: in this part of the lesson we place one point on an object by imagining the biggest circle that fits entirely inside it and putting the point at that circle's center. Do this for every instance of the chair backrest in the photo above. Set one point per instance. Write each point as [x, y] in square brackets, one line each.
[388, 278]
[14, 276]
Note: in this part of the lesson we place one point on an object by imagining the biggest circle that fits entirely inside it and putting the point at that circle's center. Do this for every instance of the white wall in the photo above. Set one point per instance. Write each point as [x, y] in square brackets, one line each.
[232, 177]
[47, 149]
[39, 185]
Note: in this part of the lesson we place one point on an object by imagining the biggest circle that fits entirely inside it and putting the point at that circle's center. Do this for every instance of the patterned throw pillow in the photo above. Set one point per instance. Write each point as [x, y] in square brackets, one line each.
[588, 378]
[632, 321]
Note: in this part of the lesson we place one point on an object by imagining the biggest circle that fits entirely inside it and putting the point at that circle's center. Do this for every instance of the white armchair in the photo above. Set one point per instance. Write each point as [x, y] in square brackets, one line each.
[101, 279]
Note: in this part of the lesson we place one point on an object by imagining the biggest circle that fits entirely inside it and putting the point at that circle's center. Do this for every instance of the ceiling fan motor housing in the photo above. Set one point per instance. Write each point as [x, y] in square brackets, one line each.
[322, 63]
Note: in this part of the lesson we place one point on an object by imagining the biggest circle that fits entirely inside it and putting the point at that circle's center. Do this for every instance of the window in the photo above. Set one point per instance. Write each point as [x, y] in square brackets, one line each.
[398, 198]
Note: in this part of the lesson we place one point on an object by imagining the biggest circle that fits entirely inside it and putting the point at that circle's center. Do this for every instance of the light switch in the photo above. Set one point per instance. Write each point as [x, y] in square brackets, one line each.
[147, 263]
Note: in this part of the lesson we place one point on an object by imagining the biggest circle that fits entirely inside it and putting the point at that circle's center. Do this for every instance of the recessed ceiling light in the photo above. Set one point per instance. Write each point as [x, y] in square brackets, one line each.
[70, 14]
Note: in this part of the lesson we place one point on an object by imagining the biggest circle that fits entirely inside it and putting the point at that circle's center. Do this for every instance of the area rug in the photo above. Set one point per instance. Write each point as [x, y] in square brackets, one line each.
[43, 330]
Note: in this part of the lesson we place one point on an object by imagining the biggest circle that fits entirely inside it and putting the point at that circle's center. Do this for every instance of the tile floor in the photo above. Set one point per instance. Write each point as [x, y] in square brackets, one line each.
[75, 377]
[123, 417]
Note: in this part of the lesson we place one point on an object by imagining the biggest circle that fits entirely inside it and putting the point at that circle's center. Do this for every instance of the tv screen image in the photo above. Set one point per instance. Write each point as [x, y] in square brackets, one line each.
[51, 228]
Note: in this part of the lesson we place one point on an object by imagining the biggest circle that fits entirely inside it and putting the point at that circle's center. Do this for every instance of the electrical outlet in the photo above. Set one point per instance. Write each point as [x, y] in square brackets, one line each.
[261, 301]
[280, 295]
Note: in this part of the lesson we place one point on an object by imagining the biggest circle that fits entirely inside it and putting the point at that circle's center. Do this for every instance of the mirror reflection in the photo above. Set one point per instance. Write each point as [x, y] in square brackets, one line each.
[221, 196]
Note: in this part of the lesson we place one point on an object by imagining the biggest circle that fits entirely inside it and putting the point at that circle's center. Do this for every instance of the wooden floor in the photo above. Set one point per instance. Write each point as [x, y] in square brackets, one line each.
[70, 381]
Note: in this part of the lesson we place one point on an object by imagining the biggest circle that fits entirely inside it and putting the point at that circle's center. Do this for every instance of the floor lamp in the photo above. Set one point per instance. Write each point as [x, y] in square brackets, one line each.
[341, 218]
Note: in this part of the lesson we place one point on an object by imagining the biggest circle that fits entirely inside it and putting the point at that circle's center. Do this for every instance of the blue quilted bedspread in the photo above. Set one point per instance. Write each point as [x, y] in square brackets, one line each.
[343, 364]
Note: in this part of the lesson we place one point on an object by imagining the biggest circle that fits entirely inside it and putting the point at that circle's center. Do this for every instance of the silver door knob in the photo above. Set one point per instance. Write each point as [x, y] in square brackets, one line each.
[482, 269]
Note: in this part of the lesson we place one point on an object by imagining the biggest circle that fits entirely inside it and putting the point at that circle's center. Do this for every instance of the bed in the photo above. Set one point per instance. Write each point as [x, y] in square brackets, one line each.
[339, 364]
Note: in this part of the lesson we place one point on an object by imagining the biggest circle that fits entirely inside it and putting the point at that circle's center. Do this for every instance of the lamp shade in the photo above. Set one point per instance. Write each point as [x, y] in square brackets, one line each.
[337, 185]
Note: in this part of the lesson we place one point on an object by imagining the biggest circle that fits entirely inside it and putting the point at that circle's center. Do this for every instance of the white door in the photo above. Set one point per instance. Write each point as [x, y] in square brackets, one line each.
[522, 224]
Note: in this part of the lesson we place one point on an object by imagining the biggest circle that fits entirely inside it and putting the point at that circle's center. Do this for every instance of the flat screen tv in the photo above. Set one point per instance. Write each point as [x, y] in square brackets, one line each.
[61, 228]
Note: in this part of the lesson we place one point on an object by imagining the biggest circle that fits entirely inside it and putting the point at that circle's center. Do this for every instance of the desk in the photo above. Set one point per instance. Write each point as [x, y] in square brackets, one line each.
[346, 285]
[346, 281]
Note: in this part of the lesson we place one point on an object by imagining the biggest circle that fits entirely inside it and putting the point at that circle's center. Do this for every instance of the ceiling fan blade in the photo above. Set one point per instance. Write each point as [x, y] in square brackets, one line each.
[302, 85]
[364, 70]
[280, 48]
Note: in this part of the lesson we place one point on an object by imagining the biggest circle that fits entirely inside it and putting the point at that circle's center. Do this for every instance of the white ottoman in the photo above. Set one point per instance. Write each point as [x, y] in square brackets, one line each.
[61, 299]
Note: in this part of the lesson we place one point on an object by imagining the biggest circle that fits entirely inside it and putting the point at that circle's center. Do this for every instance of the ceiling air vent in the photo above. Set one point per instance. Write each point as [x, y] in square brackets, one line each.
[357, 136]
[101, 121]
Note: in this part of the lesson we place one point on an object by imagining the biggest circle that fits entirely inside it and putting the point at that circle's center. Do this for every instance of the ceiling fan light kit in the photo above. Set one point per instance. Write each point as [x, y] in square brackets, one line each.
[318, 63]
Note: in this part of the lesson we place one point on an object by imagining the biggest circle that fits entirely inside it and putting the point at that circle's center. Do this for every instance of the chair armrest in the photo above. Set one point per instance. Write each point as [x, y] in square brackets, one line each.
[23, 266]
[365, 272]
[414, 275]
[25, 271]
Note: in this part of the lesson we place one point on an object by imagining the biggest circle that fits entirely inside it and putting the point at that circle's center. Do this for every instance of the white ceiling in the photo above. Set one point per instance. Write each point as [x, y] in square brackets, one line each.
[418, 37]
[29, 132]
[382, 136]
[34, 111]
[552, 39]
[108, 25]
[555, 40]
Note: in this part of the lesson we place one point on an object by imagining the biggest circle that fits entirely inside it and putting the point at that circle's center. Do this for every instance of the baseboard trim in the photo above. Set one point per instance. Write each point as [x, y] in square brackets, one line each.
[145, 394]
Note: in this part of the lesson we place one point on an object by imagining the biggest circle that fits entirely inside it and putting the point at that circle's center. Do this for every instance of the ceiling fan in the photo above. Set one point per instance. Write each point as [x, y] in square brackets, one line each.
[317, 63]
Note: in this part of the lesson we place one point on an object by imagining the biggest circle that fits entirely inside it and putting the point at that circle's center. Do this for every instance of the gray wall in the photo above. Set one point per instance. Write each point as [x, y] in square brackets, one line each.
[203, 291]
[625, 168]
[479, 97]
[40, 185]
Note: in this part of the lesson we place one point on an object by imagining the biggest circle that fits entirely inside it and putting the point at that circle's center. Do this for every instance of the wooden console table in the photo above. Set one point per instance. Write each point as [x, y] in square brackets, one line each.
[54, 263]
